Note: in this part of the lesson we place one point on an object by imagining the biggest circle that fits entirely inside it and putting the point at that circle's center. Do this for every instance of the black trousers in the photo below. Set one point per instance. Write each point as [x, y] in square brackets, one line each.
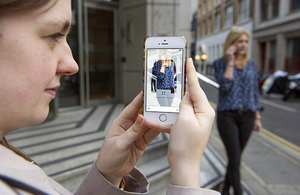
[235, 128]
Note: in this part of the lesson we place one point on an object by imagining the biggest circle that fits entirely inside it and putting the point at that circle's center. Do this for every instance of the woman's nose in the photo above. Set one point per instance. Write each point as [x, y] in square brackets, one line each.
[67, 65]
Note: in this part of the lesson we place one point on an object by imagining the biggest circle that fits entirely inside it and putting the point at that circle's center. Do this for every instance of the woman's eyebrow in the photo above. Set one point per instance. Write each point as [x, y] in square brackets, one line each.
[60, 25]
[66, 26]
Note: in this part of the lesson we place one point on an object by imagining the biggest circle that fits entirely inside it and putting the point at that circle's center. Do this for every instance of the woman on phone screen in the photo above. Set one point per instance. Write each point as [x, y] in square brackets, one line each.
[163, 69]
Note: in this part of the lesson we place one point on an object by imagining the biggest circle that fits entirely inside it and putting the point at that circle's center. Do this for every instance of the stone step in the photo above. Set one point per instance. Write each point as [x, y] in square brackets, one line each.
[153, 163]
[67, 146]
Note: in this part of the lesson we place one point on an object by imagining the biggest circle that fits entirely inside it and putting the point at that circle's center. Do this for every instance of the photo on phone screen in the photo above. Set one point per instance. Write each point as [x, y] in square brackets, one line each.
[164, 80]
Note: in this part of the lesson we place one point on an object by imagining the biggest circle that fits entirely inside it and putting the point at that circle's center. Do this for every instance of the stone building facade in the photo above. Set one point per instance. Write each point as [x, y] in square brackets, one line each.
[274, 27]
[107, 40]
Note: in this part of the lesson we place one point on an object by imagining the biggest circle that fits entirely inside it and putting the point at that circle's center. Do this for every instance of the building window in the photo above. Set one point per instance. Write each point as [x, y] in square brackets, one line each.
[219, 51]
[262, 47]
[293, 47]
[208, 26]
[229, 16]
[199, 31]
[295, 4]
[275, 5]
[272, 56]
[203, 8]
[292, 61]
[244, 9]
[217, 22]
[269, 9]
[209, 5]
[264, 9]
[211, 25]
[203, 28]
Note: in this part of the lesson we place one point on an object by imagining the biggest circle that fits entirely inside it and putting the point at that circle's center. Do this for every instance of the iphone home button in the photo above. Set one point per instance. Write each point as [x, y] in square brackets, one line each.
[162, 117]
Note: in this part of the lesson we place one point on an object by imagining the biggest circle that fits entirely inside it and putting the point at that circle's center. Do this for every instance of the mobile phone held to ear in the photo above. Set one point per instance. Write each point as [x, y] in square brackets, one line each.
[164, 77]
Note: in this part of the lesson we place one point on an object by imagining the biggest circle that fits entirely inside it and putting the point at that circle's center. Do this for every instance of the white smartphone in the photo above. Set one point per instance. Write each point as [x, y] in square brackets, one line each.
[164, 77]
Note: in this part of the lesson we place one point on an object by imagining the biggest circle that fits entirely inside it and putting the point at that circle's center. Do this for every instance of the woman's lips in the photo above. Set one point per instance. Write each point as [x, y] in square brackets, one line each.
[51, 92]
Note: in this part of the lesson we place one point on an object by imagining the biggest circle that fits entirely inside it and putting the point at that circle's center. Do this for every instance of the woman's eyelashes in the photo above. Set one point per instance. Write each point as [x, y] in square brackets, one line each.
[57, 36]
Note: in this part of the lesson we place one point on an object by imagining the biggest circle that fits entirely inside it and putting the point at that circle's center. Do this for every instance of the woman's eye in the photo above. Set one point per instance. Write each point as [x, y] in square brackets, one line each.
[57, 36]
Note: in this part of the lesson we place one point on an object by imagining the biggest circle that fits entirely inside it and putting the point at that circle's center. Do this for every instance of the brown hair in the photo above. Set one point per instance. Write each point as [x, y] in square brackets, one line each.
[18, 5]
[235, 33]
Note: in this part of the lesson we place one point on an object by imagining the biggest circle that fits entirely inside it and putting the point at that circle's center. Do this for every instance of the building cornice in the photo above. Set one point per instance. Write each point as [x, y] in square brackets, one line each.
[276, 22]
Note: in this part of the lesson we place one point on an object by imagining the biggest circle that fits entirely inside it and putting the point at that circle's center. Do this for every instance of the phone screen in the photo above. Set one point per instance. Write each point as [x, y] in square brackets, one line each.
[164, 79]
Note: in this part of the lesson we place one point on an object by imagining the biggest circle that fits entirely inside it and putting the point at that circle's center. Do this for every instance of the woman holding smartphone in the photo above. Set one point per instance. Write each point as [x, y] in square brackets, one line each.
[238, 111]
[34, 54]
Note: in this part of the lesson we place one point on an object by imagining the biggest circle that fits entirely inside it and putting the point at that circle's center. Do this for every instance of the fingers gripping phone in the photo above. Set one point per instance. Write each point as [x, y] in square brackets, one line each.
[164, 77]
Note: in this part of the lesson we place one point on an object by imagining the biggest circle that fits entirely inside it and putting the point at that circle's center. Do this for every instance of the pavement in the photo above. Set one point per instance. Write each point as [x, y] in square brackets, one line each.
[270, 165]
[68, 145]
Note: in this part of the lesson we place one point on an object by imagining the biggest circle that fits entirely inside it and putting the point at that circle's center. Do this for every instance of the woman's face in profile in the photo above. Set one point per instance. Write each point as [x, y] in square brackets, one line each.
[34, 55]
[242, 44]
[168, 54]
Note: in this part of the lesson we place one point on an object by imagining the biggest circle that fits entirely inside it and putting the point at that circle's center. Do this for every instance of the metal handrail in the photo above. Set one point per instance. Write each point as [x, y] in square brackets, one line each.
[207, 80]
[152, 76]
[200, 76]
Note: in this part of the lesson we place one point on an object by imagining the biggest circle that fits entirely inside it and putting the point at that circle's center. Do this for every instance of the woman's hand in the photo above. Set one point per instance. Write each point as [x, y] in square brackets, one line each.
[230, 54]
[230, 58]
[257, 125]
[163, 67]
[126, 141]
[190, 133]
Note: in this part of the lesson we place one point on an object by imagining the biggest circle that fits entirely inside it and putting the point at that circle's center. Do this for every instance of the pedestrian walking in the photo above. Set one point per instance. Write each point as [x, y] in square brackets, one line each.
[238, 111]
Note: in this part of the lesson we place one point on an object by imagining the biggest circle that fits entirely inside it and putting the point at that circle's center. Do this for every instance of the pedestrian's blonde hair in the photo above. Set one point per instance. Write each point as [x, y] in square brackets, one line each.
[162, 53]
[235, 33]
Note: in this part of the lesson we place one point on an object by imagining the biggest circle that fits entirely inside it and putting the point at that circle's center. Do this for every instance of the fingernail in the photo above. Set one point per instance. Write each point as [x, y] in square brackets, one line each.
[188, 95]
[139, 119]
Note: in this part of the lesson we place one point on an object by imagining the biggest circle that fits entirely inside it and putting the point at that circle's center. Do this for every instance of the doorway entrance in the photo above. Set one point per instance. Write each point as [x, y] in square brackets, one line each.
[94, 48]
[100, 53]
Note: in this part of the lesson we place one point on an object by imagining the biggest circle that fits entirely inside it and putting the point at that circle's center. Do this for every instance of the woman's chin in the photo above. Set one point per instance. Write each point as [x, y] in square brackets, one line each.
[41, 117]
[242, 52]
